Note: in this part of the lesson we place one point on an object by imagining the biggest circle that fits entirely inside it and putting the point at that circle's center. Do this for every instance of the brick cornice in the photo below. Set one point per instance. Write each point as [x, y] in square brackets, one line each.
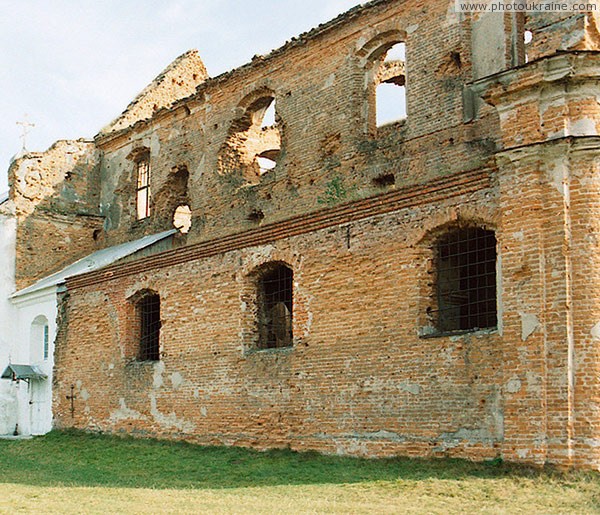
[410, 196]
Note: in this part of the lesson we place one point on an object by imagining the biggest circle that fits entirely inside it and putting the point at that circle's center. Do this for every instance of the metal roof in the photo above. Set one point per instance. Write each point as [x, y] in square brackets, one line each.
[95, 261]
[26, 372]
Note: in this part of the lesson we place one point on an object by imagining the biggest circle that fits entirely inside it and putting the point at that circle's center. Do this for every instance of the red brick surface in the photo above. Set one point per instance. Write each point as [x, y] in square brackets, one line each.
[360, 378]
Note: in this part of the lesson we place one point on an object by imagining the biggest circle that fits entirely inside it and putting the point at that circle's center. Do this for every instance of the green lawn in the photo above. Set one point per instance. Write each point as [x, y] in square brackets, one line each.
[73, 472]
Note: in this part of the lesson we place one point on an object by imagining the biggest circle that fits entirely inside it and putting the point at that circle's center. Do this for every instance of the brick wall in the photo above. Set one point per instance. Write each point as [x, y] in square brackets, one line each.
[358, 379]
[323, 106]
[54, 196]
[514, 152]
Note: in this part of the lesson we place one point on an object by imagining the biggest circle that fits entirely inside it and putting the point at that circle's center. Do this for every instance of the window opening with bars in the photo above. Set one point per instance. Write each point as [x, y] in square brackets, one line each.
[276, 308]
[466, 280]
[149, 316]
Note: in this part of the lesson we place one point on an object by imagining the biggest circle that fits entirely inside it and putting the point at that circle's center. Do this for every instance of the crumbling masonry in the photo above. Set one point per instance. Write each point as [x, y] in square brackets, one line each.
[427, 287]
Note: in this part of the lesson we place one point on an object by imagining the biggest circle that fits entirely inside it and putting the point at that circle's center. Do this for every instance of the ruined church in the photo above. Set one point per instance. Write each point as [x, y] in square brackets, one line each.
[263, 259]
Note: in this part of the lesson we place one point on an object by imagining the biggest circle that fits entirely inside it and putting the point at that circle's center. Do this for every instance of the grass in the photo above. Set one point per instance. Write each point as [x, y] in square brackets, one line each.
[77, 472]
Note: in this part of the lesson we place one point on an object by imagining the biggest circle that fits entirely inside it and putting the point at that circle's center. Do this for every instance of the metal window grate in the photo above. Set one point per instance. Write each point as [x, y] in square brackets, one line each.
[276, 308]
[149, 315]
[466, 280]
[143, 188]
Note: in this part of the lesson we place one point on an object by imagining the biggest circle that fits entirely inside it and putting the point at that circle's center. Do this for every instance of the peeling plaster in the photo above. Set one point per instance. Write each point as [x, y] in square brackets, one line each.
[594, 443]
[176, 380]
[330, 81]
[557, 134]
[534, 383]
[353, 447]
[415, 389]
[452, 17]
[171, 420]
[385, 435]
[572, 38]
[596, 331]
[124, 413]
[155, 145]
[451, 440]
[583, 127]
[557, 177]
[529, 323]
[522, 453]
[361, 42]
[513, 385]
[157, 380]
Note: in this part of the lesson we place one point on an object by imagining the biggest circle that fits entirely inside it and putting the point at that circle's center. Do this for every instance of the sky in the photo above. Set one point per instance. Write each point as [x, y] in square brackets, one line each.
[71, 67]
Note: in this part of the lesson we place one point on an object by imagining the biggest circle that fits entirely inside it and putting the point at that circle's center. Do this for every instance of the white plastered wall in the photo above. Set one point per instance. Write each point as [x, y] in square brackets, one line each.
[34, 400]
[8, 407]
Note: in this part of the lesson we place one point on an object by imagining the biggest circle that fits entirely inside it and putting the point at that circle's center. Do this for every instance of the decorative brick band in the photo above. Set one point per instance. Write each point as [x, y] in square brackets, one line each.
[451, 186]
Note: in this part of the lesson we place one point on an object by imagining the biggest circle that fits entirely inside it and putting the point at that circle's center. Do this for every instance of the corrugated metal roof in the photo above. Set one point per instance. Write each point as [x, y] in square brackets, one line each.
[95, 261]
[15, 372]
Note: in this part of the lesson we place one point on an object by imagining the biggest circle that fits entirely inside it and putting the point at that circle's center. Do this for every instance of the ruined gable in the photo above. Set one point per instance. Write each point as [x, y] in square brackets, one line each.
[179, 80]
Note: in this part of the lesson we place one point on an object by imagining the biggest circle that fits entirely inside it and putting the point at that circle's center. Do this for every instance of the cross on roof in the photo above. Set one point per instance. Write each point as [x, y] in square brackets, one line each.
[26, 129]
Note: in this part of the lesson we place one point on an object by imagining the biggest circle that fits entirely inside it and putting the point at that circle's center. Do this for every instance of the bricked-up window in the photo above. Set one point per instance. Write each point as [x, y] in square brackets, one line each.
[148, 311]
[275, 307]
[466, 280]
[143, 187]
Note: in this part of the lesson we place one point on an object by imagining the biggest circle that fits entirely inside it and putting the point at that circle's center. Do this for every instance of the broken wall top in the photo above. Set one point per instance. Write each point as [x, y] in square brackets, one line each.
[179, 80]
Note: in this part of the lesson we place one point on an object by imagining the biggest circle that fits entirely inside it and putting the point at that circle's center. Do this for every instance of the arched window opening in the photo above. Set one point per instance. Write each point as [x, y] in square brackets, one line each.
[396, 53]
[269, 116]
[390, 83]
[275, 307]
[39, 339]
[253, 146]
[267, 160]
[143, 187]
[527, 39]
[149, 323]
[267, 145]
[182, 219]
[466, 280]
[171, 198]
